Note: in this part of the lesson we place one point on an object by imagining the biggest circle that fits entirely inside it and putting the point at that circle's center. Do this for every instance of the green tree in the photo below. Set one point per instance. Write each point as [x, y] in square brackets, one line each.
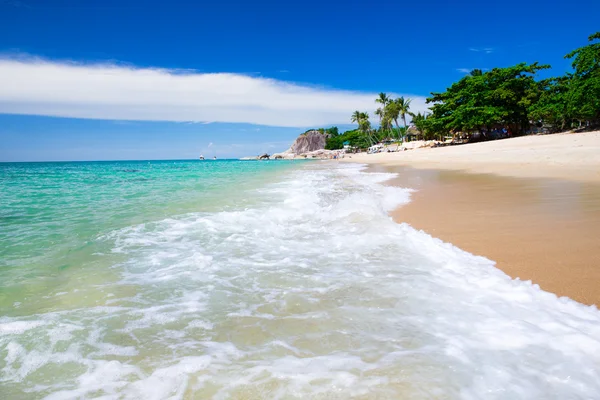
[356, 117]
[420, 122]
[381, 112]
[393, 113]
[481, 101]
[383, 99]
[584, 90]
[333, 131]
[555, 105]
[403, 107]
[364, 125]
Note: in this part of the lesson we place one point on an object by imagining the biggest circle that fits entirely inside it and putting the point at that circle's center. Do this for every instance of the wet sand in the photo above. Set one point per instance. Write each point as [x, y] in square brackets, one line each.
[543, 230]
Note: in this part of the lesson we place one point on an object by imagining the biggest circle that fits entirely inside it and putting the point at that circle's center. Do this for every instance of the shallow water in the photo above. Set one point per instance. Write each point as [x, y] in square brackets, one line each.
[262, 280]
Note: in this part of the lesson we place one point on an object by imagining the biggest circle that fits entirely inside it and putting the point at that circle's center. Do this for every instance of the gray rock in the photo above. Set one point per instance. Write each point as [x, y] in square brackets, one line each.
[309, 141]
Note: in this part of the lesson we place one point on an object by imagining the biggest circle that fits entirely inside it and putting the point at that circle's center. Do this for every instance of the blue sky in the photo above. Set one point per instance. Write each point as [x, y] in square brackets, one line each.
[155, 79]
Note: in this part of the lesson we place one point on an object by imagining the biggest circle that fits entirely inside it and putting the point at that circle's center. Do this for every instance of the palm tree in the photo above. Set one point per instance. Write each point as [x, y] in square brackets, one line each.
[364, 125]
[386, 123]
[356, 117]
[383, 99]
[393, 113]
[419, 120]
[364, 116]
[403, 106]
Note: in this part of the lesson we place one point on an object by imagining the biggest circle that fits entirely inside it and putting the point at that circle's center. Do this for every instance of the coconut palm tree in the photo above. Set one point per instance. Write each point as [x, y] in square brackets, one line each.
[364, 116]
[364, 125]
[386, 123]
[383, 99]
[419, 120]
[403, 107]
[380, 112]
[393, 113]
[357, 116]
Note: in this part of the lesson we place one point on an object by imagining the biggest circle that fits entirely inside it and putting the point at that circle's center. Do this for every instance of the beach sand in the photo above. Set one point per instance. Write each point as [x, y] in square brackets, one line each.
[534, 208]
[572, 156]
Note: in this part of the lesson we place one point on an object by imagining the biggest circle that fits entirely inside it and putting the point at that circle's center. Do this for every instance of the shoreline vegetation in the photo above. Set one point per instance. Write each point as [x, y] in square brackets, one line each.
[531, 203]
[483, 106]
[487, 105]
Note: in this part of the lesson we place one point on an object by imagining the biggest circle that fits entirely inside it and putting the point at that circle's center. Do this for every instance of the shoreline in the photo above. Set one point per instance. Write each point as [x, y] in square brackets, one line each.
[542, 230]
[569, 156]
[530, 204]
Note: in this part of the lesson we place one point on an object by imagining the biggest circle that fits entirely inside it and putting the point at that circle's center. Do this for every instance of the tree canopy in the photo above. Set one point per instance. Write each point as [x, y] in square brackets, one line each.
[500, 97]
[508, 100]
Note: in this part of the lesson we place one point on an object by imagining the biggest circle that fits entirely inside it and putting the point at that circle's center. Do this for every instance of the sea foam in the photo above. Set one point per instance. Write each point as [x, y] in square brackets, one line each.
[311, 292]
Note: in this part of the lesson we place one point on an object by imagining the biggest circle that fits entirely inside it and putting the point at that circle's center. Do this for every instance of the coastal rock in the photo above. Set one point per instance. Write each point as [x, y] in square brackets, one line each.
[309, 141]
[323, 154]
[310, 144]
[417, 144]
[285, 155]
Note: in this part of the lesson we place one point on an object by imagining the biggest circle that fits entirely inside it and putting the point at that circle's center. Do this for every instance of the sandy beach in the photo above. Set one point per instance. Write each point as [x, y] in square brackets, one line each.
[531, 204]
[572, 156]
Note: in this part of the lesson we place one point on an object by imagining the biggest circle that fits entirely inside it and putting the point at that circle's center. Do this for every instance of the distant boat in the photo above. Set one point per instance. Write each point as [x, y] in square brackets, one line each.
[202, 157]
[215, 157]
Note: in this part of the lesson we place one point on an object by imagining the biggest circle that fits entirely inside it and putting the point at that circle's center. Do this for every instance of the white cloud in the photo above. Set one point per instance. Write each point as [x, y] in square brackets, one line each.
[107, 91]
[468, 70]
[486, 50]
[210, 145]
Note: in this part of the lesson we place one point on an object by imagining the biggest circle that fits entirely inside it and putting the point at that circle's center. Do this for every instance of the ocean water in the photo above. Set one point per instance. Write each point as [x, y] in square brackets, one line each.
[261, 280]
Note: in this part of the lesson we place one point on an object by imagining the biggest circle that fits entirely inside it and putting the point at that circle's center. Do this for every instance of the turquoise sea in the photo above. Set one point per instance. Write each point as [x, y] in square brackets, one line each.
[271, 280]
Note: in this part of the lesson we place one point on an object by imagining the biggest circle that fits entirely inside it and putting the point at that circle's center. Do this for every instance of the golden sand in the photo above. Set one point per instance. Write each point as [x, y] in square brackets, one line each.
[571, 156]
[543, 230]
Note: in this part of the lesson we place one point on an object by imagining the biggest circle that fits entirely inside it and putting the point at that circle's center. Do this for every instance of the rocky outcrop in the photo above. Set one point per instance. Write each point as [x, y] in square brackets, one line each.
[286, 155]
[324, 154]
[310, 144]
[417, 144]
[309, 141]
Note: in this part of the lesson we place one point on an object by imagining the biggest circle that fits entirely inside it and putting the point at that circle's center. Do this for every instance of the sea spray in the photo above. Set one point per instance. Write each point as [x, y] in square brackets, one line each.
[298, 287]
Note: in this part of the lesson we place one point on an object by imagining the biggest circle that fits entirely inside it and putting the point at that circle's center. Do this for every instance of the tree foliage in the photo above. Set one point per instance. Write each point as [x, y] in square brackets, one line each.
[481, 101]
[511, 98]
[501, 100]
[584, 90]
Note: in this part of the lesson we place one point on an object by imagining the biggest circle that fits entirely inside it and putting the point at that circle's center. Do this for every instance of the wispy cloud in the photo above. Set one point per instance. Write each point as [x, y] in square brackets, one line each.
[283, 71]
[468, 70]
[108, 91]
[486, 50]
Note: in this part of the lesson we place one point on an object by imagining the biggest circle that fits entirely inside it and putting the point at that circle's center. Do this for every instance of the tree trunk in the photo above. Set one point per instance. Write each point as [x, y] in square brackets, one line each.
[398, 127]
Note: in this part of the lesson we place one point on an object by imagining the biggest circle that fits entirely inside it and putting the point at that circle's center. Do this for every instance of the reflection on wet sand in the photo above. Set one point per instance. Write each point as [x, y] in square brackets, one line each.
[543, 230]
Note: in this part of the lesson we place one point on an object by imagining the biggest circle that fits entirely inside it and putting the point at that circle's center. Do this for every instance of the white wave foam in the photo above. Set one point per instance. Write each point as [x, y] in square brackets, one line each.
[313, 293]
